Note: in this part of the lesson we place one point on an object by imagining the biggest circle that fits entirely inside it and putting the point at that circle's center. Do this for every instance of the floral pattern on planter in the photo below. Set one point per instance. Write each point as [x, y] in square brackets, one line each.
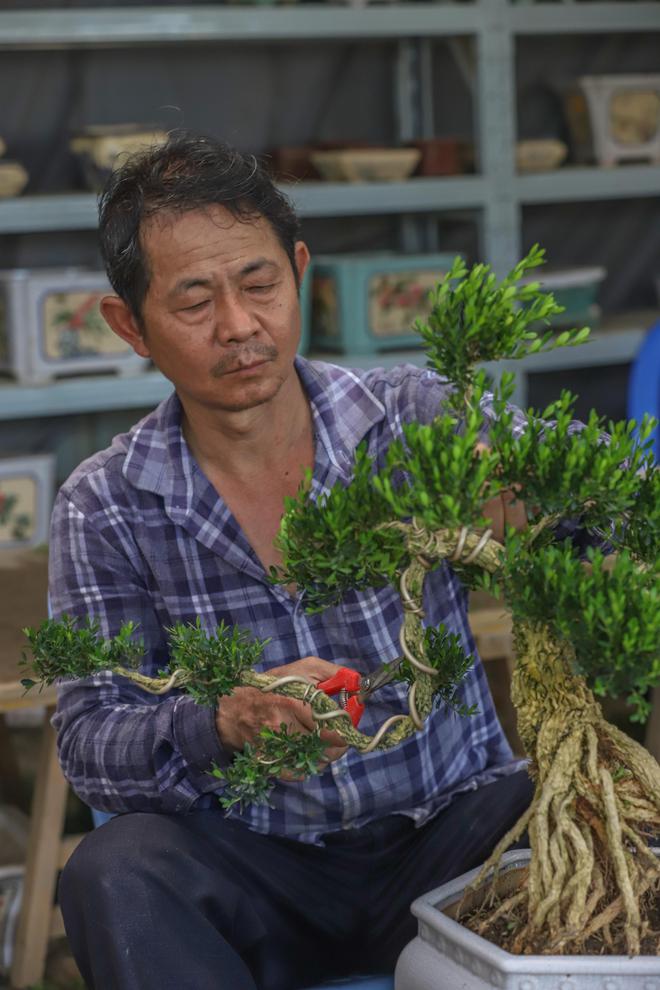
[18, 499]
[325, 305]
[397, 299]
[635, 116]
[73, 327]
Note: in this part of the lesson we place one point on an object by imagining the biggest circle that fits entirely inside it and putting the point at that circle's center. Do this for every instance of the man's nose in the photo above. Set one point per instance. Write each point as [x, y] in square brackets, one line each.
[234, 321]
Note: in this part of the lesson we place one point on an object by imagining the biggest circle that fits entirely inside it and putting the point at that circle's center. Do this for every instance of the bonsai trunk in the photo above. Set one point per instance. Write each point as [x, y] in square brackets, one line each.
[592, 877]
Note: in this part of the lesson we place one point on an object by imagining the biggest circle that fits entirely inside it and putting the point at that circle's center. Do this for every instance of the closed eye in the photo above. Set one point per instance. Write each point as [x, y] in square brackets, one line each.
[195, 306]
[261, 288]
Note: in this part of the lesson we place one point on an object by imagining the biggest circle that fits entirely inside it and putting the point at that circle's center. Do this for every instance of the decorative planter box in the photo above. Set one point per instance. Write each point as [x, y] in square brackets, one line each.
[447, 956]
[51, 325]
[624, 113]
[26, 497]
[364, 303]
[576, 289]
[305, 311]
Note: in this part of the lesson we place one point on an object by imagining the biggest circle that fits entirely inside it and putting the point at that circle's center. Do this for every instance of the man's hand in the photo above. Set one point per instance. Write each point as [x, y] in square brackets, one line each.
[242, 714]
[505, 510]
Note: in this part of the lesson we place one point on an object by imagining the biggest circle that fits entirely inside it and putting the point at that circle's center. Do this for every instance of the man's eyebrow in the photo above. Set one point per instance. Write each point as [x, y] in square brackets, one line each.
[257, 265]
[184, 284]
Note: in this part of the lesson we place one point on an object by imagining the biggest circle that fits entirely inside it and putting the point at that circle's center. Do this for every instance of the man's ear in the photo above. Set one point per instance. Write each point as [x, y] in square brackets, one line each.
[119, 318]
[302, 259]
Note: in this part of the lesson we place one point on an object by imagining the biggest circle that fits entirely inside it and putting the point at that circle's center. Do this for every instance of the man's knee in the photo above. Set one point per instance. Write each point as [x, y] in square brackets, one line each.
[116, 856]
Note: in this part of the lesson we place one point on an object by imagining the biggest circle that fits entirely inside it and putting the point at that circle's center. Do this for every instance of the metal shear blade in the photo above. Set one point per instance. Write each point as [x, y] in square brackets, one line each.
[374, 682]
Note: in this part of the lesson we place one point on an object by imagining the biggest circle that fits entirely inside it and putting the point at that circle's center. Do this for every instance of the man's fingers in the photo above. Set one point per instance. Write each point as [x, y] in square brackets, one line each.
[493, 510]
[515, 513]
[505, 510]
[333, 739]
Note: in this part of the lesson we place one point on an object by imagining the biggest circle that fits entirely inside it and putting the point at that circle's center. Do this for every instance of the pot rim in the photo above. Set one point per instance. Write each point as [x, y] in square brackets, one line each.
[429, 910]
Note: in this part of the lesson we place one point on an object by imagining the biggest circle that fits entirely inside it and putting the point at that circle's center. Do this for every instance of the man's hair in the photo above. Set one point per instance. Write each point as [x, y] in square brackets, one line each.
[188, 172]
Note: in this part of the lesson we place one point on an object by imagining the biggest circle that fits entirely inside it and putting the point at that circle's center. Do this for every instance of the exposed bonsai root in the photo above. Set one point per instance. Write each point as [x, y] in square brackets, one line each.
[596, 804]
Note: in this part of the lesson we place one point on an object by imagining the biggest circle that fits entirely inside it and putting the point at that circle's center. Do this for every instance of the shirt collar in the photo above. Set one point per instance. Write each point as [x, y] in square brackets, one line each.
[344, 409]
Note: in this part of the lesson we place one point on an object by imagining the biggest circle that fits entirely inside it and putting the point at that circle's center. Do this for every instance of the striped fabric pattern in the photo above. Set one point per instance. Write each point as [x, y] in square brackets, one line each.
[139, 533]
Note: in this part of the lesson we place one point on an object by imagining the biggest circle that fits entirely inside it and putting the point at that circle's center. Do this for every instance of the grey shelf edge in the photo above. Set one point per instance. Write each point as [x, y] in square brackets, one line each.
[77, 211]
[585, 183]
[180, 24]
[100, 393]
[221, 23]
[589, 18]
[84, 394]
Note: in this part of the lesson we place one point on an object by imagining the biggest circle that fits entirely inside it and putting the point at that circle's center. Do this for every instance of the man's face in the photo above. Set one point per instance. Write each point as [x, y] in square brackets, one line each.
[221, 316]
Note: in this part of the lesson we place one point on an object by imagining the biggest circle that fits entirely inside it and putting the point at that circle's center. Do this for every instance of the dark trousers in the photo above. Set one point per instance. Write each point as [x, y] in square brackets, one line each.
[198, 902]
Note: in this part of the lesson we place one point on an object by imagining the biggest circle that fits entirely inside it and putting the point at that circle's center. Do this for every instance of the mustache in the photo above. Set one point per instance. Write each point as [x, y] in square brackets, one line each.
[243, 357]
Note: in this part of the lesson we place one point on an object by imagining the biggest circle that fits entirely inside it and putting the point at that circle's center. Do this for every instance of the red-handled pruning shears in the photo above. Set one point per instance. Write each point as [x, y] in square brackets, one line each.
[354, 689]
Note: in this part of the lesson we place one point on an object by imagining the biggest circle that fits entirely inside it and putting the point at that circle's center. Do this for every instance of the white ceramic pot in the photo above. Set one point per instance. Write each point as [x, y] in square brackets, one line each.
[446, 956]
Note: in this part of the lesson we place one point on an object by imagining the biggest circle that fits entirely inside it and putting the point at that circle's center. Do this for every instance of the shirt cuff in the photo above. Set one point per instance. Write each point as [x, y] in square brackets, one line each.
[196, 736]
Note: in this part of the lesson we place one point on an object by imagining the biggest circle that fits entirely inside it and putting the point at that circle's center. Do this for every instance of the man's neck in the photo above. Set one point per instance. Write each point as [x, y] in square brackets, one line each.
[245, 444]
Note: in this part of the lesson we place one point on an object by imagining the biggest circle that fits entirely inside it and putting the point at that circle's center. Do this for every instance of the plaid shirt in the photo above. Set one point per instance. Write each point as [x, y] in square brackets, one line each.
[138, 532]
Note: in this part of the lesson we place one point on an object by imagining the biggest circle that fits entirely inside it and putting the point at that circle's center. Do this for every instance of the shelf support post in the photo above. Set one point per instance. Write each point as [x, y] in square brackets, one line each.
[495, 106]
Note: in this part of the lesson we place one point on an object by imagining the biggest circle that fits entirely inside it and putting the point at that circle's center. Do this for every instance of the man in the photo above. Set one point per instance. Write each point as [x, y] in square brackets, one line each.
[177, 520]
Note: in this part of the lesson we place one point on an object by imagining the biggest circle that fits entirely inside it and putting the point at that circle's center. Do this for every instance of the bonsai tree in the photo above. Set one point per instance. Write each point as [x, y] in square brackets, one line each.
[586, 622]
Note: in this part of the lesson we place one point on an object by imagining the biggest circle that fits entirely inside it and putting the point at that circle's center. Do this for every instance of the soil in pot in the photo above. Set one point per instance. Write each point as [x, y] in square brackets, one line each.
[495, 911]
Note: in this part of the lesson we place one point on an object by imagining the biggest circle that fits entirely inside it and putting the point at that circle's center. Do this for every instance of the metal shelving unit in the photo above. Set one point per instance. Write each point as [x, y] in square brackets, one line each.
[496, 195]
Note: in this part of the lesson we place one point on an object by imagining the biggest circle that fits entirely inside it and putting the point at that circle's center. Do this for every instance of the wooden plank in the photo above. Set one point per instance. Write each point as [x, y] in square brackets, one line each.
[11, 790]
[67, 846]
[13, 695]
[46, 824]
[491, 627]
[56, 929]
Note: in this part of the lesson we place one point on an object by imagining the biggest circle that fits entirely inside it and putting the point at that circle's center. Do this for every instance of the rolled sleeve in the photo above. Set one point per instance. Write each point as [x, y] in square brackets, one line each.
[196, 736]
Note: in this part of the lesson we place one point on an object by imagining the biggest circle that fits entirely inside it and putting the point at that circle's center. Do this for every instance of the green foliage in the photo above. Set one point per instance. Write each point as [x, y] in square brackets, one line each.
[573, 472]
[435, 472]
[639, 530]
[213, 662]
[444, 651]
[342, 541]
[335, 544]
[474, 319]
[610, 615]
[65, 648]
[250, 776]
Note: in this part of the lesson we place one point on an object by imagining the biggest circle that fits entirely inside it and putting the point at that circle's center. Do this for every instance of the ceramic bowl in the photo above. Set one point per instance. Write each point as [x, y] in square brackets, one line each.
[13, 179]
[366, 164]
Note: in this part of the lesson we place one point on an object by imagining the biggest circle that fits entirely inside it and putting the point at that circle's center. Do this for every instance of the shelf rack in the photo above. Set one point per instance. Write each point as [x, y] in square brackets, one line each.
[497, 194]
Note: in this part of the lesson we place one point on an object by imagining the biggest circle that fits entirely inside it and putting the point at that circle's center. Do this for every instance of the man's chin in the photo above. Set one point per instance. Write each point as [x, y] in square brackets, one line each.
[249, 395]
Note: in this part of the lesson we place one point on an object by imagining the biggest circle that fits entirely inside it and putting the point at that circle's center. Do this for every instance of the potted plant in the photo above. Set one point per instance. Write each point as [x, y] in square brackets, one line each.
[585, 625]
